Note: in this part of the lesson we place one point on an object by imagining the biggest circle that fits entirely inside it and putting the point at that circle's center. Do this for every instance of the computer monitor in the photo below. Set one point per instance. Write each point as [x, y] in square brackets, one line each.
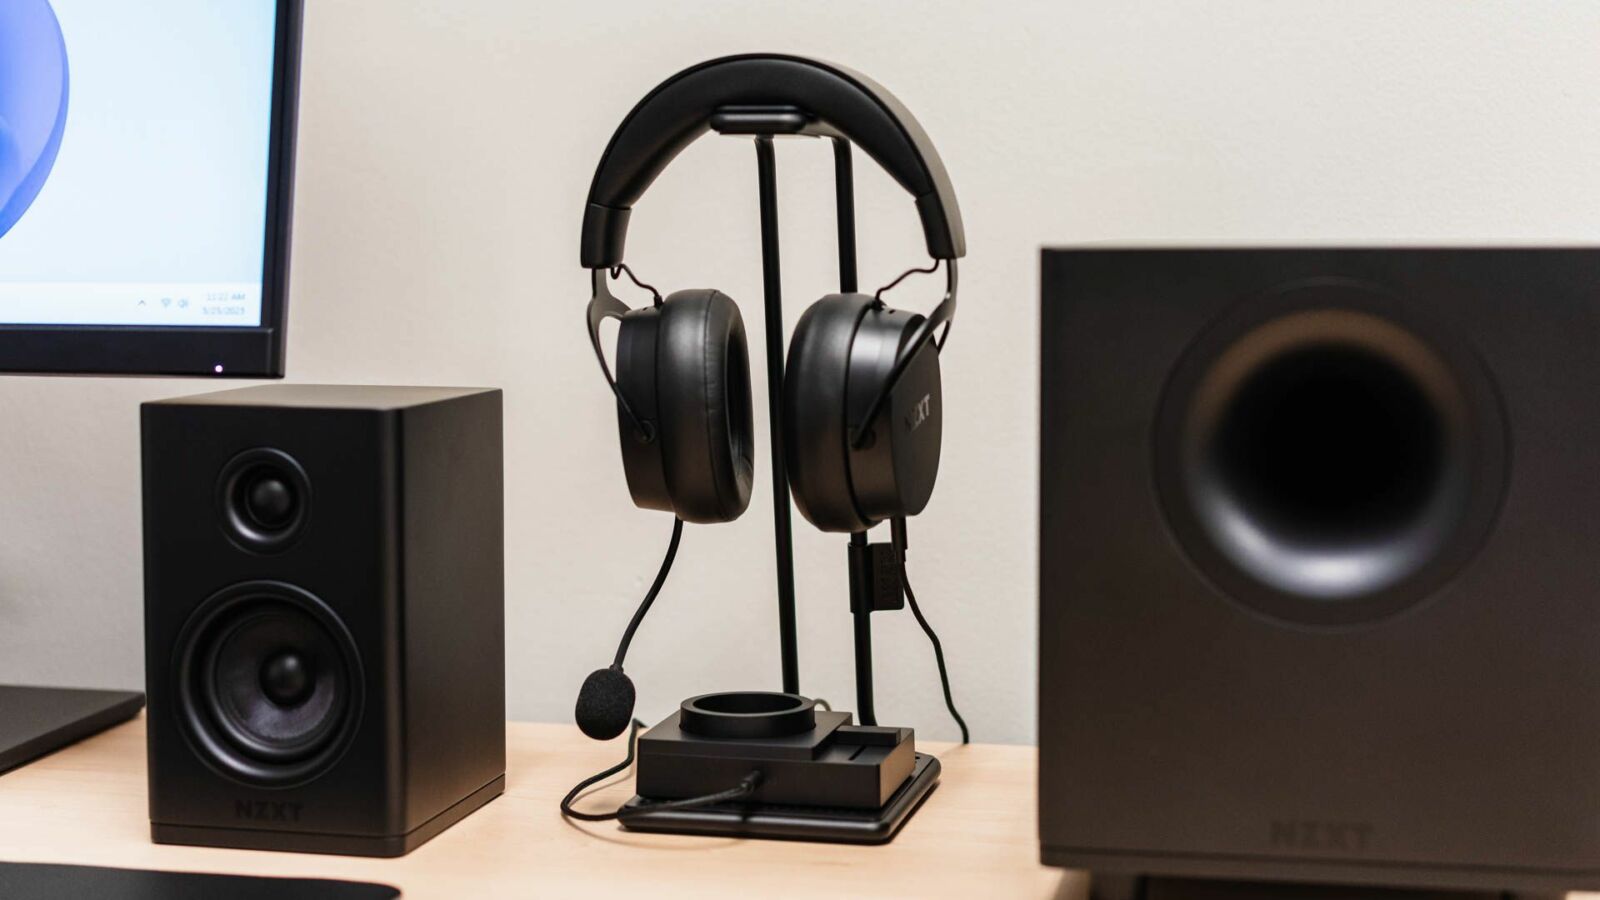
[146, 157]
[146, 171]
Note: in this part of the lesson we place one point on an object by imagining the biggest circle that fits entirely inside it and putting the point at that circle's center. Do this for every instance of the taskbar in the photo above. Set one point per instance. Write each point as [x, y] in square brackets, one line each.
[196, 304]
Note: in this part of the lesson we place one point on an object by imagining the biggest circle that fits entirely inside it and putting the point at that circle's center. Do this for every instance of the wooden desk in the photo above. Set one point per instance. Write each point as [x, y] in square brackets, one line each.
[975, 837]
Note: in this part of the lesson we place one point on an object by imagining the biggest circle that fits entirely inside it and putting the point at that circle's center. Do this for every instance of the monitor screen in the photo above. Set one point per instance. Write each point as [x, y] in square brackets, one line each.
[144, 165]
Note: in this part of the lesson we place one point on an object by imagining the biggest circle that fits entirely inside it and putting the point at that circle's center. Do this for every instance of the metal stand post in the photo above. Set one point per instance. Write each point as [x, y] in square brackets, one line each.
[782, 532]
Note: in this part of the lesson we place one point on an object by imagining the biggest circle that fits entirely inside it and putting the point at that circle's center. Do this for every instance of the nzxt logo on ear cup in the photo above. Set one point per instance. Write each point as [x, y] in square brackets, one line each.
[919, 413]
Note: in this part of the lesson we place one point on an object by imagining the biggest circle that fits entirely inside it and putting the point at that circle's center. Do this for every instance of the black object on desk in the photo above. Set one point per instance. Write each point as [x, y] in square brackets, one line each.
[49, 882]
[821, 778]
[35, 721]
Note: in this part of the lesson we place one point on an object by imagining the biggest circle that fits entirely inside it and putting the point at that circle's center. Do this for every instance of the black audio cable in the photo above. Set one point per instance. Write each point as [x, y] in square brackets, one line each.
[746, 786]
[897, 529]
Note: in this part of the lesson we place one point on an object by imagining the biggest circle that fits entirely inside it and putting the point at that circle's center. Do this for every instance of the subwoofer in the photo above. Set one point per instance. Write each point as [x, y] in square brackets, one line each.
[1319, 594]
[324, 614]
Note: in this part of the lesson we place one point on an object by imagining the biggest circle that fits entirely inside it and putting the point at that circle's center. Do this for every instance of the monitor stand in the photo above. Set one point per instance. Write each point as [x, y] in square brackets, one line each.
[35, 721]
[1130, 887]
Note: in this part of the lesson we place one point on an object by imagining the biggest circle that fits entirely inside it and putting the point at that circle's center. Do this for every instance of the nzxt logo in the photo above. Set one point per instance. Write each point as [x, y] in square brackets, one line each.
[266, 810]
[920, 413]
[1322, 836]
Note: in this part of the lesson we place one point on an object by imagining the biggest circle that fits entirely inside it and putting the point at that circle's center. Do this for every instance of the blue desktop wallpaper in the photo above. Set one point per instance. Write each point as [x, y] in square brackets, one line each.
[33, 102]
[156, 172]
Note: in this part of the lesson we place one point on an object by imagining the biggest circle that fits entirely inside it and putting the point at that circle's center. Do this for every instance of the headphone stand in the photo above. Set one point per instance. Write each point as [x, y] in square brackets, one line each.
[804, 759]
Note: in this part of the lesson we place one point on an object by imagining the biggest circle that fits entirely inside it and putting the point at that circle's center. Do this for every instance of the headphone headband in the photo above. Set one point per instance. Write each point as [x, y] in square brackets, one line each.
[681, 109]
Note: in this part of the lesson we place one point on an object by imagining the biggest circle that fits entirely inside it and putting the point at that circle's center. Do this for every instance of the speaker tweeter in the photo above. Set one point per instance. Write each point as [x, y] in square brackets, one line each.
[264, 499]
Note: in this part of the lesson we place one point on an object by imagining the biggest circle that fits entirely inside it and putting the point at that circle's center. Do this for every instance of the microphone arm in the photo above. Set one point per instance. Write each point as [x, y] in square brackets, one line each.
[650, 597]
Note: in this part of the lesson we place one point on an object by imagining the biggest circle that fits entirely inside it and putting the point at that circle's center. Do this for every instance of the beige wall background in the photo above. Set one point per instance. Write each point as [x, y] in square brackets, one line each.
[446, 149]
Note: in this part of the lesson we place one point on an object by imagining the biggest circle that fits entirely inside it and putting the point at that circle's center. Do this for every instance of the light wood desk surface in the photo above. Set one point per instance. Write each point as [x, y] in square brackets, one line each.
[975, 836]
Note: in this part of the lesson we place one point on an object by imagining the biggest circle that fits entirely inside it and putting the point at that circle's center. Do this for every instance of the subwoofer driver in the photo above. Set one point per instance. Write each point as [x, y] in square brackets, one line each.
[1327, 457]
[269, 684]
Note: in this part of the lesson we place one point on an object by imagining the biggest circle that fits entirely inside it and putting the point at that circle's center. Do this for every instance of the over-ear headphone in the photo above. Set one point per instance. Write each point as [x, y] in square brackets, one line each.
[862, 404]
[862, 397]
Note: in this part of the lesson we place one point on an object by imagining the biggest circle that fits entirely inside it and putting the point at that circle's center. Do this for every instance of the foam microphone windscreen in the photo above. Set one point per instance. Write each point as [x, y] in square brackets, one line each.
[605, 704]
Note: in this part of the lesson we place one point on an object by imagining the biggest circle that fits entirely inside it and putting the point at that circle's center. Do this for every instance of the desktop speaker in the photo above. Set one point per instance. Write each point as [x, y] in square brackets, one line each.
[324, 615]
[1319, 585]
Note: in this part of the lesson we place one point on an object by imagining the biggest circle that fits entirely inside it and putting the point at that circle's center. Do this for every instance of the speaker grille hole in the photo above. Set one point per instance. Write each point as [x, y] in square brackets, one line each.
[1330, 443]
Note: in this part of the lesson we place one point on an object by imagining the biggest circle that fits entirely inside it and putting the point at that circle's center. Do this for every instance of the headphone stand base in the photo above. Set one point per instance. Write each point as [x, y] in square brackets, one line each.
[823, 778]
[799, 823]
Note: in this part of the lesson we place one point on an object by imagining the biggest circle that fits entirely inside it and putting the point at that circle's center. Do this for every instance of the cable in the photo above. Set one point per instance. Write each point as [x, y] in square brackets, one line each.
[622, 269]
[938, 654]
[898, 527]
[580, 787]
[650, 598]
[928, 270]
[746, 786]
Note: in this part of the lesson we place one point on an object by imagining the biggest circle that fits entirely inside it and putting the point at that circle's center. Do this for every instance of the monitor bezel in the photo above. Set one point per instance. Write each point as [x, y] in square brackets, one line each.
[239, 352]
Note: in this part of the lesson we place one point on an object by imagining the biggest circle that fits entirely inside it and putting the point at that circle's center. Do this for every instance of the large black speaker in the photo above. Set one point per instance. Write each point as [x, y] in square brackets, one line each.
[1319, 565]
[324, 615]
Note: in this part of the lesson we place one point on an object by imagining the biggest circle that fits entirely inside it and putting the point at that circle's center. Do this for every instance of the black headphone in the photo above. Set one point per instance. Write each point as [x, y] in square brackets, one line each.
[861, 395]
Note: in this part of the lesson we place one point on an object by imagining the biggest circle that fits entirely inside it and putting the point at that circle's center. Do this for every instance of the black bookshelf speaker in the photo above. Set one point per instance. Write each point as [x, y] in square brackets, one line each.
[1318, 582]
[324, 615]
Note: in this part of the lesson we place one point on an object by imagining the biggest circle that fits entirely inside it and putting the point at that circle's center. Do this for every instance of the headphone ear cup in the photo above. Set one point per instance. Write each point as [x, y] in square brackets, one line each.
[844, 349]
[814, 396]
[704, 417]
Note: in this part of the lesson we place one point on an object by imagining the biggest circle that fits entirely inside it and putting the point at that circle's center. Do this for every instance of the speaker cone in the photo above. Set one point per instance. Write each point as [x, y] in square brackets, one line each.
[264, 499]
[1323, 461]
[269, 683]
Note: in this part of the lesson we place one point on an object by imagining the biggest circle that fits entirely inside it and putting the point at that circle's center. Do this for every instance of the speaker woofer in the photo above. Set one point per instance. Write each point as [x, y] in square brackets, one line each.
[269, 684]
[1325, 463]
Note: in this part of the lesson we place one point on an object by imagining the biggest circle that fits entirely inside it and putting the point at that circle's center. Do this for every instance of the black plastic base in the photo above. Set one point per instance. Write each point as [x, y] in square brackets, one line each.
[1134, 887]
[341, 844]
[819, 760]
[799, 823]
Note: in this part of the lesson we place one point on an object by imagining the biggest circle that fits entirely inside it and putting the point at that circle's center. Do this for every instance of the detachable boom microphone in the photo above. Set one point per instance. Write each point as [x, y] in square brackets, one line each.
[605, 702]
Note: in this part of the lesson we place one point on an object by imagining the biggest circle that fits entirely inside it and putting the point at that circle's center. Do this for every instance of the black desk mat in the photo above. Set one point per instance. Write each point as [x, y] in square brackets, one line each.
[29, 881]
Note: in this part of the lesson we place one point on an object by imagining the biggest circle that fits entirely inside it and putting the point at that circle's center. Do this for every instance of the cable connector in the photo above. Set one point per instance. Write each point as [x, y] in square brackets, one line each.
[875, 578]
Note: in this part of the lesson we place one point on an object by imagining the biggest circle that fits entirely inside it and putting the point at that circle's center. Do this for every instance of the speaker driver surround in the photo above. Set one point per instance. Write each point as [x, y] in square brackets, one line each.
[1328, 459]
[269, 683]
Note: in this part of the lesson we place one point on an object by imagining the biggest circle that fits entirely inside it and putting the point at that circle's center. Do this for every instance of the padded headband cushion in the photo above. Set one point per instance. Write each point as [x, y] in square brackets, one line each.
[814, 412]
[680, 110]
[703, 405]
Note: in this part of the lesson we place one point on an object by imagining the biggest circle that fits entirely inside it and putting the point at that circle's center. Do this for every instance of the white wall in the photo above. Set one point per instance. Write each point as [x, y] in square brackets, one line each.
[446, 150]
